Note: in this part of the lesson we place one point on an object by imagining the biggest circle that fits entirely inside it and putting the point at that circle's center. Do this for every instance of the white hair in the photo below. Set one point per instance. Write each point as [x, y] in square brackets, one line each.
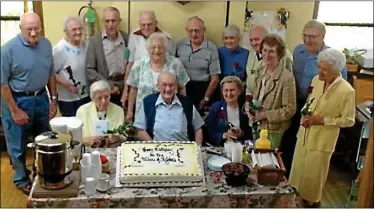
[148, 12]
[168, 74]
[232, 30]
[97, 86]
[316, 24]
[69, 18]
[159, 36]
[334, 58]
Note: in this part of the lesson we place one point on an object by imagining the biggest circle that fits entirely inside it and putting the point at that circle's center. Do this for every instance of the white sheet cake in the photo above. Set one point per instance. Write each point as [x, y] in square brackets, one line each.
[160, 162]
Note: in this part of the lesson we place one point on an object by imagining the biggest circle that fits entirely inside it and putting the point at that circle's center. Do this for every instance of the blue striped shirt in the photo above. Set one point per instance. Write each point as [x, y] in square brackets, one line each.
[305, 68]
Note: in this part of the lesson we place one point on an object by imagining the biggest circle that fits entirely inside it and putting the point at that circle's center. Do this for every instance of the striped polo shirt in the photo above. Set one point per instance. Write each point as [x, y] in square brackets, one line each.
[200, 64]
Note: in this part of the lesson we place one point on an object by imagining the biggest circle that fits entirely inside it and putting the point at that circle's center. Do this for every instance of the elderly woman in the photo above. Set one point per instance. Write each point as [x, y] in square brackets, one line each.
[233, 57]
[333, 108]
[69, 56]
[99, 115]
[228, 111]
[145, 71]
[276, 91]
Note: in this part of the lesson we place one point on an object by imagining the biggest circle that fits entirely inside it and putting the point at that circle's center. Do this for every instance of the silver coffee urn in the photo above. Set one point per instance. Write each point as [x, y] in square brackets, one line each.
[54, 160]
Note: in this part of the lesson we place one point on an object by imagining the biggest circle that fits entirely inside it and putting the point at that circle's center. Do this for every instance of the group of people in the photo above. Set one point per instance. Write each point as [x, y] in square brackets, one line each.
[165, 88]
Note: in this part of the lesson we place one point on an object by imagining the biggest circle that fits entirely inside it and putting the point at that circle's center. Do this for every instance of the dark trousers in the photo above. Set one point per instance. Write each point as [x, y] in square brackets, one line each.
[69, 109]
[289, 139]
[195, 91]
[116, 99]
[37, 109]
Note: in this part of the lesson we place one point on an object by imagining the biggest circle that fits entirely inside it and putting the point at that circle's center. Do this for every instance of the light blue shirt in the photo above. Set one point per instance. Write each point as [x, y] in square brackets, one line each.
[305, 68]
[24, 68]
[170, 121]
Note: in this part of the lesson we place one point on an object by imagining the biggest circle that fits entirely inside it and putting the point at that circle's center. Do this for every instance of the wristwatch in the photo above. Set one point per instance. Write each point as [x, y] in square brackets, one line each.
[206, 99]
[53, 97]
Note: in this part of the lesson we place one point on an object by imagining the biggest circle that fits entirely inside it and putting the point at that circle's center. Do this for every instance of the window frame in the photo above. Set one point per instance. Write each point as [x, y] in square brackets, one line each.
[38, 9]
[315, 16]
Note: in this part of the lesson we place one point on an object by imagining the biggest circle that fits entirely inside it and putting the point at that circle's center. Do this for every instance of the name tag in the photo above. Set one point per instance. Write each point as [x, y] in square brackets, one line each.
[100, 127]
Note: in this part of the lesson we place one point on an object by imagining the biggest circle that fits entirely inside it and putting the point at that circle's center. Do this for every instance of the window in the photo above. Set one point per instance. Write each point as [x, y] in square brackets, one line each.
[10, 18]
[349, 23]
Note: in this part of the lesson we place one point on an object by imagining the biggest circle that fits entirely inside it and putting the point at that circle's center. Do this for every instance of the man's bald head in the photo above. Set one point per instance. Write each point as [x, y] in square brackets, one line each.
[167, 76]
[30, 27]
[147, 22]
[29, 17]
[256, 36]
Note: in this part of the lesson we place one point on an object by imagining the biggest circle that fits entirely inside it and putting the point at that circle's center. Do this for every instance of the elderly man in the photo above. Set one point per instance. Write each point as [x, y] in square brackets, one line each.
[106, 58]
[69, 61]
[201, 60]
[26, 69]
[305, 67]
[167, 116]
[137, 43]
[255, 61]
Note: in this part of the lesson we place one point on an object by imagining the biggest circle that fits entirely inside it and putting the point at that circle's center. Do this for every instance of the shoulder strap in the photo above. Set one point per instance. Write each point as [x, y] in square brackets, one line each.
[187, 106]
[150, 112]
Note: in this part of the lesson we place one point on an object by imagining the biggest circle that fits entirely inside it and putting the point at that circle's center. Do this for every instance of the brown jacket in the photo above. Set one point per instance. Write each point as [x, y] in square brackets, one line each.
[96, 64]
[279, 100]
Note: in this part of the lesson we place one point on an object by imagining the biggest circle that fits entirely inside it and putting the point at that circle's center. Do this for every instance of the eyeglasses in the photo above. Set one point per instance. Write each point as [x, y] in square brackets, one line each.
[191, 31]
[164, 85]
[306, 36]
[159, 47]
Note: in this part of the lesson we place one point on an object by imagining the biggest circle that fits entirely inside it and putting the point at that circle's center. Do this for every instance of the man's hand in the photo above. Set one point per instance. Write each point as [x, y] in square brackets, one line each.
[52, 109]
[115, 90]
[202, 104]
[72, 89]
[20, 117]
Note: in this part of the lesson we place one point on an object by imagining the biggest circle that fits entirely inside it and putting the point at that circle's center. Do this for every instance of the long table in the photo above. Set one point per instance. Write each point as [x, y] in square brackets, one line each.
[215, 193]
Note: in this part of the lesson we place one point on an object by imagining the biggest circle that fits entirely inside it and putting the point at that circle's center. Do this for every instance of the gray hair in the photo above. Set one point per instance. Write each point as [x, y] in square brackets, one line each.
[198, 19]
[334, 58]
[69, 18]
[148, 12]
[316, 24]
[232, 30]
[98, 86]
[231, 79]
[159, 36]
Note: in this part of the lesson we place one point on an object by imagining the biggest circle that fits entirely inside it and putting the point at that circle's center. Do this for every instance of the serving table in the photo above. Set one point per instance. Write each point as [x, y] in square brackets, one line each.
[215, 193]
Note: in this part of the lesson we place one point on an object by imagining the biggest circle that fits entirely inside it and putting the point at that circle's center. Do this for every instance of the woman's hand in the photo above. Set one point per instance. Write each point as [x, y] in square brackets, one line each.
[93, 141]
[312, 120]
[239, 133]
[229, 134]
[260, 116]
[124, 98]
[129, 116]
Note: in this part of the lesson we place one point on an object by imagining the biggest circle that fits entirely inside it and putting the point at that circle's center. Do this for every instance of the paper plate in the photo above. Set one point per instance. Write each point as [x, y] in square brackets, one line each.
[216, 163]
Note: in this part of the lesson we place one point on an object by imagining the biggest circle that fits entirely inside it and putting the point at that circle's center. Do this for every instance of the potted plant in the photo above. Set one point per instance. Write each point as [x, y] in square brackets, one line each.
[350, 55]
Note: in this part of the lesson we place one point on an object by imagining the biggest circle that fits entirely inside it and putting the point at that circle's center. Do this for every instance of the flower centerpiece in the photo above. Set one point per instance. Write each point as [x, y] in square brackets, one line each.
[127, 129]
[254, 107]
